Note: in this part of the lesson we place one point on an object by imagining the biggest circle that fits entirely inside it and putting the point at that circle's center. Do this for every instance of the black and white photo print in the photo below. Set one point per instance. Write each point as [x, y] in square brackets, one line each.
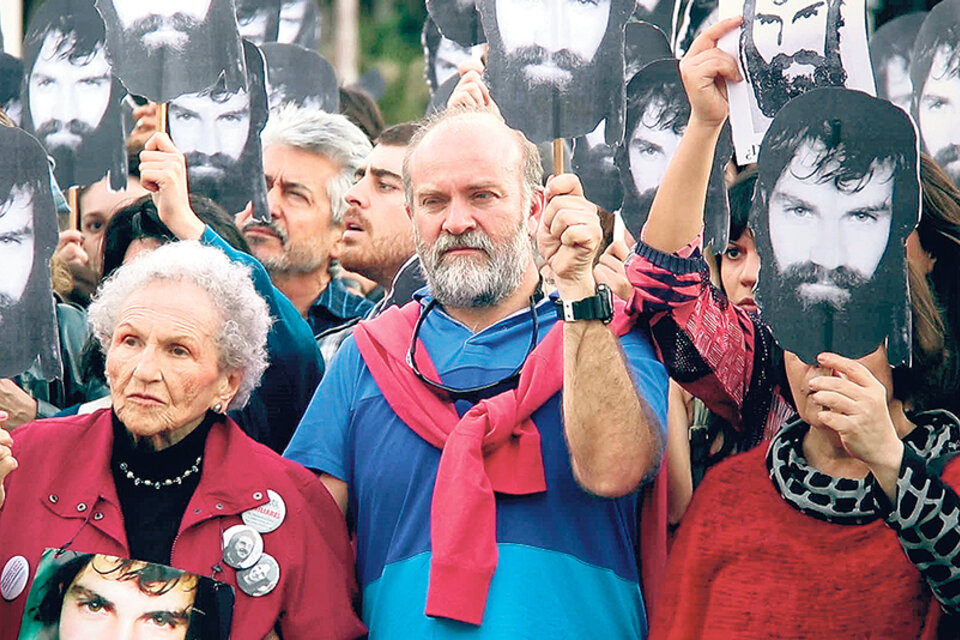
[300, 24]
[72, 100]
[28, 238]
[838, 191]
[161, 50]
[659, 13]
[593, 162]
[458, 20]
[299, 76]
[556, 67]
[11, 81]
[258, 20]
[657, 116]
[219, 133]
[642, 44]
[788, 47]
[891, 49]
[935, 75]
[442, 56]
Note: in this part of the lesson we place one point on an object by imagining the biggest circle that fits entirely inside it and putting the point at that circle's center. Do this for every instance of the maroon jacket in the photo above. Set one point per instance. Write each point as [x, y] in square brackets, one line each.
[63, 490]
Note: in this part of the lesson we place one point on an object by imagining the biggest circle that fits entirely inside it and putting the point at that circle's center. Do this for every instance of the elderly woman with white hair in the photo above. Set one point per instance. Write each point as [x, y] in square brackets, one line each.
[164, 473]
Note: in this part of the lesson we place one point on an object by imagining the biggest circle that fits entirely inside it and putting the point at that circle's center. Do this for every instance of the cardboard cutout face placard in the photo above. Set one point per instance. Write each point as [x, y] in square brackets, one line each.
[696, 16]
[838, 191]
[657, 115]
[298, 76]
[786, 48]
[219, 133]
[593, 162]
[935, 75]
[11, 80]
[77, 596]
[891, 48]
[28, 238]
[72, 99]
[555, 67]
[643, 43]
[659, 13]
[258, 20]
[458, 20]
[442, 56]
[161, 50]
[300, 24]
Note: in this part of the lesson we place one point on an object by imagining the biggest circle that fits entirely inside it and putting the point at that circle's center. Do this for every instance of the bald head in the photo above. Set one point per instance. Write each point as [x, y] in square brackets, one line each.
[461, 136]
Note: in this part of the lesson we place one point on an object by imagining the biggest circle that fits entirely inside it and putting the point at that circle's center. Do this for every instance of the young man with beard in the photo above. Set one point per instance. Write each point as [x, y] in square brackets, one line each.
[309, 160]
[556, 66]
[935, 73]
[520, 516]
[72, 100]
[161, 50]
[788, 47]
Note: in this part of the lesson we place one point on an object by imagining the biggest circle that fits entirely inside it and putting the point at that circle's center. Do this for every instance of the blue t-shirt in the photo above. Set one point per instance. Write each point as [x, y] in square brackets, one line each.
[567, 566]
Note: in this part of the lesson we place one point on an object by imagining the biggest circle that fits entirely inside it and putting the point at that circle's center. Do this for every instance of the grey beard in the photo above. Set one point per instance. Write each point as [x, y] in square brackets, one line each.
[465, 282]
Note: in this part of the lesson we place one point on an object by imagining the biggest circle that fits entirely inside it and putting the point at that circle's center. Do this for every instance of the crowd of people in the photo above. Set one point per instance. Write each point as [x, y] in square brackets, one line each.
[432, 396]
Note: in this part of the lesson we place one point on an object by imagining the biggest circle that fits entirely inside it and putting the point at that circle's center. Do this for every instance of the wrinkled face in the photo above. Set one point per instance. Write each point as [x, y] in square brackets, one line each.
[472, 226]
[789, 26]
[97, 606]
[799, 375]
[378, 235]
[210, 130]
[650, 151]
[739, 270]
[552, 38]
[17, 244]
[67, 97]
[162, 24]
[899, 88]
[162, 361]
[828, 239]
[938, 110]
[301, 237]
[97, 206]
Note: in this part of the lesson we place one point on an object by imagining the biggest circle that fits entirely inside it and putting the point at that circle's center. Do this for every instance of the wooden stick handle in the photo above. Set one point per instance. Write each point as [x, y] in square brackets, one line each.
[162, 116]
[557, 156]
[73, 200]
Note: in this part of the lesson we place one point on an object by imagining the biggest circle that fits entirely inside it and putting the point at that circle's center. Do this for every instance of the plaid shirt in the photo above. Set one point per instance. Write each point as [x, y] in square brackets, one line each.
[333, 309]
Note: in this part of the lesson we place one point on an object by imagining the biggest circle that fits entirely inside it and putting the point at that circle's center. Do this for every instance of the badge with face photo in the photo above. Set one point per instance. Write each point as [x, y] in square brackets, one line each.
[838, 191]
[161, 50]
[891, 49]
[218, 131]
[458, 20]
[258, 20]
[935, 76]
[786, 48]
[657, 115]
[442, 56]
[261, 578]
[556, 67]
[301, 77]
[267, 517]
[71, 99]
[242, 546]
[300, 24]
[28, 238]
[80, 596]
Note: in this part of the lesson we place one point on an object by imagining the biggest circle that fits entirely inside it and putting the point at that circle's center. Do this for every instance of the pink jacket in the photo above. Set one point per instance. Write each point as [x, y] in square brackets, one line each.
[63, 492]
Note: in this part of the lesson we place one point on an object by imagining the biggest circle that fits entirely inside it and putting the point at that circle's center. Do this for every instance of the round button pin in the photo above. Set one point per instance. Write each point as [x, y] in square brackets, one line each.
[13, 579]
[267, 517]
[242, 546]
[260, 579]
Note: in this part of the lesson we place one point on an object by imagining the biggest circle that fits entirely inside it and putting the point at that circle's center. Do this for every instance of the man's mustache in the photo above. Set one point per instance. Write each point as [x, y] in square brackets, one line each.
[844, 279]
[271, 226]
[176, 22]
[535, 54]
[76, 127]
[947, 155]
[474, 239]
[219, 161]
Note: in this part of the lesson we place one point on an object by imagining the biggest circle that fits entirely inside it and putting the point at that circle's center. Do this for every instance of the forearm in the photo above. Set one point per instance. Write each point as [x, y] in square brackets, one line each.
[614, 439]
[679, 471]
[677, 211]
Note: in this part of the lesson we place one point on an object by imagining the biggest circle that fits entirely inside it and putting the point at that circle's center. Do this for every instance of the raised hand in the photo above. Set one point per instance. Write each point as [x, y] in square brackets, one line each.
[163, 171]
[705, 70]
[471, 91]
[569, 237]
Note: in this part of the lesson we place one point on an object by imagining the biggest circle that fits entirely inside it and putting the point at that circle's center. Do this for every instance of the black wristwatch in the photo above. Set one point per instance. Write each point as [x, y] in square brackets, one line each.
[597, 307]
